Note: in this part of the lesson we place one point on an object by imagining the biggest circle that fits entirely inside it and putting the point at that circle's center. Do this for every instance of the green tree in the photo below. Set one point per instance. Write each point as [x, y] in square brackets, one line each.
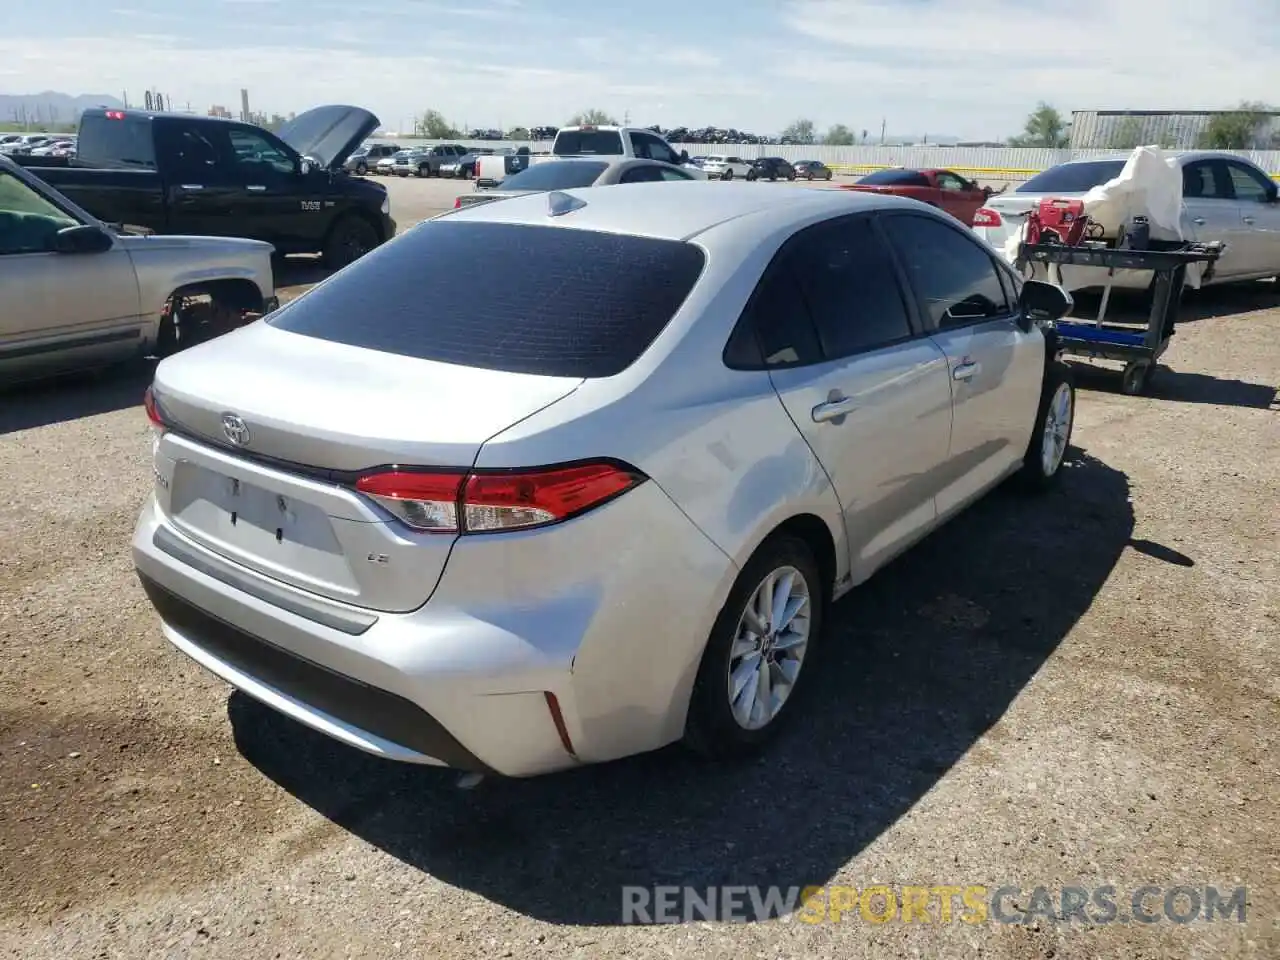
[1237, 129]
[801, 131]
[518, 133]
[839, 136]
[434, 126]
[594, 117]
[1044, 128]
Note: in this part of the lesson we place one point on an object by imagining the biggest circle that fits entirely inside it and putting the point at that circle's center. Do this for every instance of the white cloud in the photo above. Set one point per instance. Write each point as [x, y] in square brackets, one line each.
[965, 67]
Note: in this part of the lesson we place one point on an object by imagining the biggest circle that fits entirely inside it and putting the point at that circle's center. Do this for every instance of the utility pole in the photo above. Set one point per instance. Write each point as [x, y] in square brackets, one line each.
[883, 124]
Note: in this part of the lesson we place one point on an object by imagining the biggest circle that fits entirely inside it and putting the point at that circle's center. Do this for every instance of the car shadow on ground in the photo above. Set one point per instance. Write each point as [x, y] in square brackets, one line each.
[1178, 387]
[920, 662]
[70, 397]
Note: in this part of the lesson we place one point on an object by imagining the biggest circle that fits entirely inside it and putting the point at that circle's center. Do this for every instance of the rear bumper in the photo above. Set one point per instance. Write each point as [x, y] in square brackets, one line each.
[463, 681]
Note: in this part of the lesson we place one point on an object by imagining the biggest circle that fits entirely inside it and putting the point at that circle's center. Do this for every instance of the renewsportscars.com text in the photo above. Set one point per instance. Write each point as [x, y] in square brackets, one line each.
[941, 904]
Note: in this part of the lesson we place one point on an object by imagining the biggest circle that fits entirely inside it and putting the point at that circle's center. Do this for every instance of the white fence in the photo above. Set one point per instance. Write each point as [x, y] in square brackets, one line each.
[984, 163]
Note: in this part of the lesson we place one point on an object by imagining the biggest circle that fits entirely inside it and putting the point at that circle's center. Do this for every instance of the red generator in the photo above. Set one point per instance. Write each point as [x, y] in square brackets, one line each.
[1057, 220]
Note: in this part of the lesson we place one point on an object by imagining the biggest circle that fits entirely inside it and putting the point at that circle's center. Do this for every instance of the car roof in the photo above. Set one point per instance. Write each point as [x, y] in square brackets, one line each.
[676, 211]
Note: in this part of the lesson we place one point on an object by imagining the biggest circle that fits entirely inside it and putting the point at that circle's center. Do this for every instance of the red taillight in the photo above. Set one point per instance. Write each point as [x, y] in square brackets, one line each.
[115, 114]
[986, 217]
[457, 204]
[153, 409]
[491, 501]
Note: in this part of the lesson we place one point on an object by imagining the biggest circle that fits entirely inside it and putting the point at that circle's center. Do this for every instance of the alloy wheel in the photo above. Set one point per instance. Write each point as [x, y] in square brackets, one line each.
[1057, 429]
[769, 647]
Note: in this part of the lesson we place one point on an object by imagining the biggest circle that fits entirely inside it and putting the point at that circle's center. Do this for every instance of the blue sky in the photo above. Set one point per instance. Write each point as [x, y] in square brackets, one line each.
[972, 68]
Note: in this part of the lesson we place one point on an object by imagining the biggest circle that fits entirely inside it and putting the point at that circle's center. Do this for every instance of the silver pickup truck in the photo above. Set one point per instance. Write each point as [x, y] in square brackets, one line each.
[75, 293]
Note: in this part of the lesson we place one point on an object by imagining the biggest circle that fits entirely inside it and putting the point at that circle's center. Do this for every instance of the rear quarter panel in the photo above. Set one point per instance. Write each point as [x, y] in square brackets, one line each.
[718, 441]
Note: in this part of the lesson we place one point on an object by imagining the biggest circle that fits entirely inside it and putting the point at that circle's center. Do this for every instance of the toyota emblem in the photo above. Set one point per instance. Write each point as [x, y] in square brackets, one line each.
[235, 429]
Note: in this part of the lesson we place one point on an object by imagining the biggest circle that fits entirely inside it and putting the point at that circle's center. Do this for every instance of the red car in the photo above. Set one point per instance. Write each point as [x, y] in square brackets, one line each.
[939, 188]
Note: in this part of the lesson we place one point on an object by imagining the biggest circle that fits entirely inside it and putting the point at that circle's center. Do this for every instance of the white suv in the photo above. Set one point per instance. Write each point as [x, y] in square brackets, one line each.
[721, 167]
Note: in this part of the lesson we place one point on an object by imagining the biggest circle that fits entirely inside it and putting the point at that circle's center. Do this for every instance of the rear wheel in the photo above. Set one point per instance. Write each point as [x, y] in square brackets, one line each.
[362, 169]
[349, 240]
[752, 176]
[727, 175]
[754, 660]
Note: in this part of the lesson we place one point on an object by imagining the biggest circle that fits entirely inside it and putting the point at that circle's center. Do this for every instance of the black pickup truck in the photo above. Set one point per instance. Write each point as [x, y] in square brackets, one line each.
[181, 174]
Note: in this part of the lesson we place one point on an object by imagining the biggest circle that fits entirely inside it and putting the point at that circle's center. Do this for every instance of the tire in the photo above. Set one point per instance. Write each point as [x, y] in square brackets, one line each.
[752, 177]
[713, 728]
[791, 175]
[1047, 449]
[727, 175]
[1136, 378]
[350, 238]
[362, 170]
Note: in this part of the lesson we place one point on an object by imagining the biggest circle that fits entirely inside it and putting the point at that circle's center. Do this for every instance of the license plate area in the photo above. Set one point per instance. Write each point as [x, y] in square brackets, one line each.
[283, 536]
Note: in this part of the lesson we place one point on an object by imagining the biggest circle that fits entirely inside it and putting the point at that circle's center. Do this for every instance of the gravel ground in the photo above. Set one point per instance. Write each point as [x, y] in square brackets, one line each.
[1076, 690]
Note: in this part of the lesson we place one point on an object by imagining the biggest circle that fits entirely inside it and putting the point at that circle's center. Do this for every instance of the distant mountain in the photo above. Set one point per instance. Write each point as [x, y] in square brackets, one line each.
[50, 106]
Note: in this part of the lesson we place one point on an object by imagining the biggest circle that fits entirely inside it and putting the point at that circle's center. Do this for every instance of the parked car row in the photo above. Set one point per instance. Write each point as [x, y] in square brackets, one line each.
[38, 144]
[727, 167]
[443, 160]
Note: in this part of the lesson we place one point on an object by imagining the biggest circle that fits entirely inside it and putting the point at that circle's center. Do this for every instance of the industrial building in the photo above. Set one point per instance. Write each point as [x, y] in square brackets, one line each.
[1172, 129]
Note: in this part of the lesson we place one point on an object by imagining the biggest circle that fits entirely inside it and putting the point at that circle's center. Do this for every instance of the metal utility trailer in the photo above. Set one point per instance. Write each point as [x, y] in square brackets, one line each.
[1136, 348]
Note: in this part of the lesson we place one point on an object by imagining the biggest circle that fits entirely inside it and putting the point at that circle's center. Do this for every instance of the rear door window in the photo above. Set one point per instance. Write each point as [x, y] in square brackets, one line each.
[553, 301]
[849, 282]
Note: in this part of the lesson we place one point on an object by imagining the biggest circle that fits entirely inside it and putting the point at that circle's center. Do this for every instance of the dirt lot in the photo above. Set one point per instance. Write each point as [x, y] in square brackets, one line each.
[1078, 690]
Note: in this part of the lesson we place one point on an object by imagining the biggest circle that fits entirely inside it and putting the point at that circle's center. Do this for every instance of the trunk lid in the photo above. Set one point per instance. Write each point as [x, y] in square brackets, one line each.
[271, 430]
[329, 135]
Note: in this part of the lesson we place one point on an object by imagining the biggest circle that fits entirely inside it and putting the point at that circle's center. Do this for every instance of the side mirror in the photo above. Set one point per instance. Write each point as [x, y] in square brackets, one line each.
[85, 238]
[1042, 302]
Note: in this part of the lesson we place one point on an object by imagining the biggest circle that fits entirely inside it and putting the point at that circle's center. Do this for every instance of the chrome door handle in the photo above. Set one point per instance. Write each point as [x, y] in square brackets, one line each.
[965, 371]
[834, 409]
[256, 187]
[1249, 220]
[1198, 221]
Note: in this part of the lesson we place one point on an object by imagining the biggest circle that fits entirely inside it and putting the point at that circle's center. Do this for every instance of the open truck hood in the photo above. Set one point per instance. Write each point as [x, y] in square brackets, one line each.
[329, 135]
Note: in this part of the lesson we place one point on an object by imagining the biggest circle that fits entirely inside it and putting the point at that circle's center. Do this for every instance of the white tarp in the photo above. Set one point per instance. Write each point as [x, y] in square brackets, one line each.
[1150, 185]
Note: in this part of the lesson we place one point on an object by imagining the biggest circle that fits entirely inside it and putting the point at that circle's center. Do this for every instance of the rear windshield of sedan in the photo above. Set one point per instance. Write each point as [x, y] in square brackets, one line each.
[557, 175]
[521, 298]
[599, 142]
[896, 178]
[1073, 177]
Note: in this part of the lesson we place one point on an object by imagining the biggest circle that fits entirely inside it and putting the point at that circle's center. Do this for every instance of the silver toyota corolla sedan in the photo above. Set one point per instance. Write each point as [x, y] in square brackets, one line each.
[569, 477]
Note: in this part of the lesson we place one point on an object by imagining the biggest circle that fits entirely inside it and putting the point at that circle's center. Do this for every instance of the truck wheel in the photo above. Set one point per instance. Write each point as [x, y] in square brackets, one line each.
[362, 170]
[727, 175]
[1051, 436]
[349, 240]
